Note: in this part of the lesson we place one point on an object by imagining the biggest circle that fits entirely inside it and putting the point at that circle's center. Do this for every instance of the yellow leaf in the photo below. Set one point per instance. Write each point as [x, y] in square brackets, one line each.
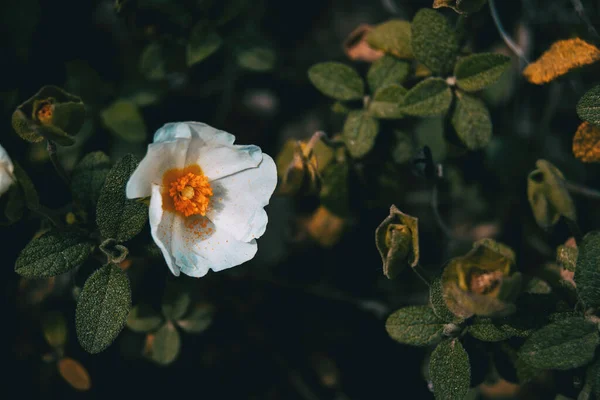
[75, 374]
[325, 227]
[586, 143]
[563, 56]
[357, 48]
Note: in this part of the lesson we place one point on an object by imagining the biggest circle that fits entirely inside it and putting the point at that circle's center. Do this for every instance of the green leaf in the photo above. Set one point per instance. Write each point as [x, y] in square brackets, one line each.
[334, 191]
[88, 178]
[387, 71]
[587, 271]
[337, 80]
[434, 42]
[471, 120]
[54, 327]
[257, 58]
[548, 197]
[360, 131]
[437, 303]
[430, 132]
[102, 308]
[15, 204]
[404, 149]
[176, 301]
[143, 319]
[152, 62]
[478, 71]
[414, 325]
[32, 200]
[203, 42]
[565, 344]
[118, 217]
[52, 254]
[588, 107]
[566, 257]
[393, 37]
[123, 118]
[428, 98]
[166, 345]
[450, 371]
[198, 320]
[486, 330]
[387, 101]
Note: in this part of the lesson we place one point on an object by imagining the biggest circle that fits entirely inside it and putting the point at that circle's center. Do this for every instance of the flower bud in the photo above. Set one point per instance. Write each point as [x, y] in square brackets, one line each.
[482, 282]
[397, 239]
[51, 114]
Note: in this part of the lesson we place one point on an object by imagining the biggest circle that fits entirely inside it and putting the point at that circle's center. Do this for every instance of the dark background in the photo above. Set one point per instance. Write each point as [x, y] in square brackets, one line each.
[299, 321]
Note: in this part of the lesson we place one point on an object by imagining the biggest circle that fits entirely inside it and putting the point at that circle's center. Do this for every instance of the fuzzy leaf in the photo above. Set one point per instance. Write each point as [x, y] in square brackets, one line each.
[588, 107]
[123, 118]
[118, 217]
[334, 192]
[587, 271]
[560, 58]
[360, 131]
[387, 101]
[428, 98]
[387, 71]
[548, 197]
[102, 308]
[176, 301]
[258, 58]
[166, 345]
[586, 143]
[450, 371]
[15, 204]
[198, 320]
[565, 344]
[430, 132]
[142, 318]
[337, 80]
[202, 43]
[486, 330]
[414, 325]
[392, 37]
[32, 199]
[52, 254]
[566, 257]
[152, 62]
[88, 178]
[437, 302]
[471, 120]
[478, 71]
[434, 42]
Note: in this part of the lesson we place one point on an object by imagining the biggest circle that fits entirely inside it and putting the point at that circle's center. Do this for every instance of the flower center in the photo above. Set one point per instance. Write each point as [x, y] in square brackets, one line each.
[190, 192]
[45, 113]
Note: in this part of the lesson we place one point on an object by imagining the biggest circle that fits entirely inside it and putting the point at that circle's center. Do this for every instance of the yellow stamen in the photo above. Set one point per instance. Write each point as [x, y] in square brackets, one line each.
[188, 189]
[45, 113]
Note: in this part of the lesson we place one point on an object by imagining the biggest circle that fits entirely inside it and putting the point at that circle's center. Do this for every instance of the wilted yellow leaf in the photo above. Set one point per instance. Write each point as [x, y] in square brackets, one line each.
[357, 48]
[75, 374]
[586, 143]
[560, 58]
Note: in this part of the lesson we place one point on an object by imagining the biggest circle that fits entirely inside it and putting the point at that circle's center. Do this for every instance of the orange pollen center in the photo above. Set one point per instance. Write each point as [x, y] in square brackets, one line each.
[45, 112]
[191, 194]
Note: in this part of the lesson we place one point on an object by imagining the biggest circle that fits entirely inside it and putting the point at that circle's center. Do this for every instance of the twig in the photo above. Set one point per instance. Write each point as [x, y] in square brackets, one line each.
[582, 190]
[581, 12]
[51, 147]
[507, 39]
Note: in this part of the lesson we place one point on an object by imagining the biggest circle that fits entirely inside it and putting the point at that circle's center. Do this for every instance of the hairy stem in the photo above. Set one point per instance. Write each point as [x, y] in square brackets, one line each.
[507, 39]
[582, 190]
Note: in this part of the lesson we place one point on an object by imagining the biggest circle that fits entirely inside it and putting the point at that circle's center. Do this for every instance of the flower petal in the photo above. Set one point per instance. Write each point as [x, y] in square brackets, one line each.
[190, 130]
[239, 199]
[6, 171]
[219, 161]
[160, 158]
[194, 245]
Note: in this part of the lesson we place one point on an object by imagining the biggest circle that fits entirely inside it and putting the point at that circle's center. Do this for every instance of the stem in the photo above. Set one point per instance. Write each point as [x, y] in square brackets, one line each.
[48, 214]
[581, 12]
[507, 39]
[421, 273]
[582, 190]
[51, 147]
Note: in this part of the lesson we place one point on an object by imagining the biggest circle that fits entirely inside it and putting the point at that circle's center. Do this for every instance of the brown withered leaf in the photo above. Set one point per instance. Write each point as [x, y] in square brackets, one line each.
[560, 58]
[586, 143]
[325, 227]
[75, 374]
[356, 46]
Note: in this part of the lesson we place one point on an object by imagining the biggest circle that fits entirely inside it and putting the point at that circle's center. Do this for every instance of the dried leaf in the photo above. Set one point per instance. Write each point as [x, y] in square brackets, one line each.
[586, 143]
[357, 48]
[325, 227]
[560, 58]
[75, 374]
[392, 37]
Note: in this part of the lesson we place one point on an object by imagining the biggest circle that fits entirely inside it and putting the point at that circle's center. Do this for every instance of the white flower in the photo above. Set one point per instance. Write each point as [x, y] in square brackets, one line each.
[207, 196]
[7, 177]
